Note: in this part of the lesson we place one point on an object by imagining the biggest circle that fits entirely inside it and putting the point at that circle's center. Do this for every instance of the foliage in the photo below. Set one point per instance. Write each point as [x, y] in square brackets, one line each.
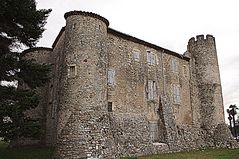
[21, 25]
[21, 21]
[14, 123]
[232, 112]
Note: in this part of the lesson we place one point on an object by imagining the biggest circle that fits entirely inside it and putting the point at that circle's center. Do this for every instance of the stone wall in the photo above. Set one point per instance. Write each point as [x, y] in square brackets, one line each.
[206, 93]
[83, 122]
[182, 110]
[129, 96]
[203, 51]
[54, 91]
[101, 99]
[129, 93]
[131, 135]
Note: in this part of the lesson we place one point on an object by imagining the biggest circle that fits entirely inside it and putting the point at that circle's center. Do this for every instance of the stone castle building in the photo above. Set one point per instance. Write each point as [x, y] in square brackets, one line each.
[114, 95]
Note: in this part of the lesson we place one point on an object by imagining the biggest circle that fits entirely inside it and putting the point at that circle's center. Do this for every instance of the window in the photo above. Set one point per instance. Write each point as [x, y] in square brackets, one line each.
[53, 109]
[136, 55]
[150, 58]
[152, 92]
[74, 26]
[110, 107]
[176, 94]
[111, 77]
[174, 65]
[71, 71]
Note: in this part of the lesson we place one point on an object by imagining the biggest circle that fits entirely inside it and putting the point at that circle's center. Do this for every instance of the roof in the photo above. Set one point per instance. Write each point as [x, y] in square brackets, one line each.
[134, 39]
[36, 49]
[117, 33]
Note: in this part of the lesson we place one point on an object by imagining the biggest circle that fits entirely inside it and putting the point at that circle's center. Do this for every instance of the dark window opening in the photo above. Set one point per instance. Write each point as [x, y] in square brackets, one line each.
[74, 26]
[110, 107]
[72, 71]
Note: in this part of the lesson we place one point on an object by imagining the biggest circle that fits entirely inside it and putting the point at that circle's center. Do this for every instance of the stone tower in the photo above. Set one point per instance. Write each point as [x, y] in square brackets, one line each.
[207, 100]
[83, 120]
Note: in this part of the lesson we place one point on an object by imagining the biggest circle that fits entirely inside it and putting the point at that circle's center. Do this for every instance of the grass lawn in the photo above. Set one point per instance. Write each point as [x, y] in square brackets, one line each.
[46, 153]
[203, 154]
[24, 153]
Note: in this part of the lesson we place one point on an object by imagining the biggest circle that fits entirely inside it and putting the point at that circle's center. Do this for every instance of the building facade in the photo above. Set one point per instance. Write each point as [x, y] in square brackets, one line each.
[114, 95]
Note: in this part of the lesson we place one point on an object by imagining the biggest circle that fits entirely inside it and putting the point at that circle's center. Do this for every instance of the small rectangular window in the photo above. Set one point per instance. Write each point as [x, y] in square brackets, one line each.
[74, 26]
[136, 56]
[71, 71]
[53, 109]
[174, 65]
[152, 92]
[150, 58]
[176, 94]
[110, 107]
[111, 77]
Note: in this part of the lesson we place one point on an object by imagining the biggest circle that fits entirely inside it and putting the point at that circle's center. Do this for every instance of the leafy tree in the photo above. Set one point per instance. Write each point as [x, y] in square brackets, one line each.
[230, 119]
[232, 111]
[21, 26]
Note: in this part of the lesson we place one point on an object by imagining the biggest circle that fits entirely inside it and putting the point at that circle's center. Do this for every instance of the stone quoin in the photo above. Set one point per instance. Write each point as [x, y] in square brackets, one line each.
[113, 95]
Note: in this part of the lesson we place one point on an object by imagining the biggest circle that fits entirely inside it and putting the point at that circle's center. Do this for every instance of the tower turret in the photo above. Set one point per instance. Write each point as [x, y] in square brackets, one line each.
[206, 77]
[83, 122]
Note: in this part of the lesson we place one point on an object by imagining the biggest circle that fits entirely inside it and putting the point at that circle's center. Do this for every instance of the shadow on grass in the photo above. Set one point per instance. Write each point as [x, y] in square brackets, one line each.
[24, 153]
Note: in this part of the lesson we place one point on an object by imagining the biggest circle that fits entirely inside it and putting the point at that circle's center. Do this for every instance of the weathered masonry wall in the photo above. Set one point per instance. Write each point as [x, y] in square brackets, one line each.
[83, 125]
[206, 93]
[54, 93]
[179, 77]
[114, 95]
[203, 52]
[129, 91]
[129, 94]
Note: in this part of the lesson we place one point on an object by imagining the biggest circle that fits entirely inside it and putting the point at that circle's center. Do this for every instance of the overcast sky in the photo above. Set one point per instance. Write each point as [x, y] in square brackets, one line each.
[166, 23]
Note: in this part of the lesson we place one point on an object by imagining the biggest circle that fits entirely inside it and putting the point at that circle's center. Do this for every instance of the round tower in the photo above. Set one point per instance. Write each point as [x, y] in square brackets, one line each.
[83, 122]
[206, 77]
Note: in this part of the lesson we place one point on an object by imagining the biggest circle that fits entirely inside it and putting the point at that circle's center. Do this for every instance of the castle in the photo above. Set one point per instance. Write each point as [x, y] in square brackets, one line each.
[113, 95]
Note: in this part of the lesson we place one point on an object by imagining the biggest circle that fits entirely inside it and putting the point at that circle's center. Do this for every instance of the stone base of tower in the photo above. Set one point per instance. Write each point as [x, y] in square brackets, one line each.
[86, 135]
[186, 138]
[223, 138]
[132, 136]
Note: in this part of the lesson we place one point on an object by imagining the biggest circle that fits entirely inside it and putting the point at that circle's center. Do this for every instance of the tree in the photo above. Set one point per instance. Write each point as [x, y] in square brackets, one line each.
[230, 119]
[21, 25]
[232, 111]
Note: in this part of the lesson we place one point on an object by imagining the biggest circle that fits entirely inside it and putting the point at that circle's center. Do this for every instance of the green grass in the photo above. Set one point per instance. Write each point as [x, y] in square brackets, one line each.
[24, 153]
[46, 153]
[203, 154]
